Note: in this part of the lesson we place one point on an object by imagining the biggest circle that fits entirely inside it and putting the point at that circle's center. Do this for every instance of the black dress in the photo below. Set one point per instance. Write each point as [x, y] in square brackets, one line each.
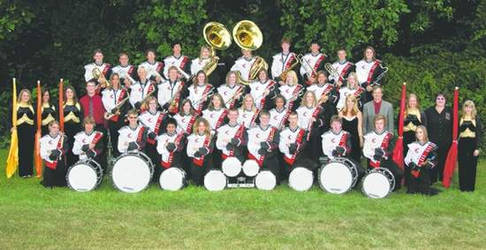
[25, 135]
[48, 115]
[469, 140]
[351, 126]
[73, 116]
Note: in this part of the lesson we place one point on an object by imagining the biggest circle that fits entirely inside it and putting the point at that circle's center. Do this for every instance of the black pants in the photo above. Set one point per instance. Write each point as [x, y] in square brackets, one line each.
[151, 150]
[271, 162]
[113, 127]
[313, 149]
[71, 129]
[55, 177]
[467, 164]
[436, 173]
[198, 172]
[420, 184]
[25, 134]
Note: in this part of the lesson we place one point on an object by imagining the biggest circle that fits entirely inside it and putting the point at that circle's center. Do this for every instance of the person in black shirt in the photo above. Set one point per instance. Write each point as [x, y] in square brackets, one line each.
[439, 128]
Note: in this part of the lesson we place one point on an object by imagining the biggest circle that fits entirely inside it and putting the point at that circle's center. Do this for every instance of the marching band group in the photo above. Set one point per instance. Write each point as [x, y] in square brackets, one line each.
[283, 119]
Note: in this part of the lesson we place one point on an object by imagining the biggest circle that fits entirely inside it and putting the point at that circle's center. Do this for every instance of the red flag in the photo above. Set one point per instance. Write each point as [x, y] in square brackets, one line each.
[61, 105]
[398, 150]
[37, 157]
[451, 160]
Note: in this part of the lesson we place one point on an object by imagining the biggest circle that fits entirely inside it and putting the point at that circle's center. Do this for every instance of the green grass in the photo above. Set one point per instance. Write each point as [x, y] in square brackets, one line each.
[34, 217]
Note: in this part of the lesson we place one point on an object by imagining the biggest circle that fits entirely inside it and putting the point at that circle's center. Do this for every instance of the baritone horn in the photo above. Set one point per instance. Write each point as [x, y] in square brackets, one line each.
[248, 36]
[98, 75]
[217, 37]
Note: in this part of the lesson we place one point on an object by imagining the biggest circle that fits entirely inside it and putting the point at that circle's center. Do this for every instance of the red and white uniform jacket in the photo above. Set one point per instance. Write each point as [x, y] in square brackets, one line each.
[366, 71]
[196, 94]
[124, 72]
[228, 92]
[154, 122]
[314, 63]
[168, 157]
[373, 140]
[243, 65]
[111, 97]
[182, 62]
[82, 138]
[105, 68]
[167, 90]
[256, 136]
[185, 122]
[258, 91]
[196, 141]
[151, 68]
[278, 118]
[48, 144]
[138, 91]
[128, 134]
[247, 117]
[228, 132]
[344, 92]
[198, 64]
[215, 117]
[419, 154]
[330, 141]
[343, 68]
[290, 136]
[281, 62]
[306, 114]
[290, 93]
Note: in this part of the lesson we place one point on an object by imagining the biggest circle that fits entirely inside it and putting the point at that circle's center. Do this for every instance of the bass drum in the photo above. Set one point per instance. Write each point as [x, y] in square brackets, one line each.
[173, 179]
[132, 172]
[251, 168]
[231, 167]
[84, 176]
[215, 180]
[265, 180]
[338, 176]
[301, 179]
[378, 183]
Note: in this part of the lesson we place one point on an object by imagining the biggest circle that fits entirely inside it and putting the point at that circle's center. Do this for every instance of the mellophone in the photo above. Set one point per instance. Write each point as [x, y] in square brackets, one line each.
[132, 173]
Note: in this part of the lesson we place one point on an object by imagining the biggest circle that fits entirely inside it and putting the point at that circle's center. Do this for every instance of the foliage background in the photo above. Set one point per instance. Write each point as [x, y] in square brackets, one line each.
[432, 45]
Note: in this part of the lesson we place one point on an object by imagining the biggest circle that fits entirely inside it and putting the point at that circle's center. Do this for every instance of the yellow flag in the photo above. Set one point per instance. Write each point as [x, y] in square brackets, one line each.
[13, 153]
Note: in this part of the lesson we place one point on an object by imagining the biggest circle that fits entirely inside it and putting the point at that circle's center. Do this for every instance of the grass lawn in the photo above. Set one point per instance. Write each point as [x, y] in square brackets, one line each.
[34, 217]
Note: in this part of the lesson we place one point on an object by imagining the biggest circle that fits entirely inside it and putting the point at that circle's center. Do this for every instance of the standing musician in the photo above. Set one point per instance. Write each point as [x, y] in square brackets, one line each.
[368, 70]
[291, 91]
[378, 148]
[171, 91]
[262, 144]
[170, 146]
[216, 113]
[323, 89]
[141, 88]
[311, 63]
[53, 148]
[103, 68]
[263, 90]
[200, 92]
[413, 117]
[200, 62]
[133, 136]
[73, 115]
[420, 158]
[343, 68]
[88, 144]
[280, 113]
[336, 142]
[291, 144]
[154, 122]
[352, 88]
[200, 145]
[152, 67]
[244, 64]
[25, 133]
[115, 102]
[282, 61]
[185, 118]
[248, 112]
[232, 138]
[181, 62]
[48, 112]
[315, 118]
[126, 72]
[232, 92]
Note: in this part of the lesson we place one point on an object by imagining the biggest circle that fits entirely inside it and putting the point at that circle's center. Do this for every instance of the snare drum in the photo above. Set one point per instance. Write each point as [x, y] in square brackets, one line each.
[84, 176]
[301, 179]
[173, 179]
[215, 180]
[265, 180]
[378, 183]
[132, 172]
[338, 176]
[231, 167]
[251, 168]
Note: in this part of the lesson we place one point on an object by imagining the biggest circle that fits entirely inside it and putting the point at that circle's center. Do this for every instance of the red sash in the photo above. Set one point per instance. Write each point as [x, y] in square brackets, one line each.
[177, 98]
[107, 67]
[238, 135]
[372, 71]
[140, 135]
[358, 92]
[200, 105]
[253, 119]
[120, 98]
[342, 142]
[262, 157]
[130, 70]
[289, 62]
[295, 95]
[314, 115]
[384, 146]
[190, 123]
[298, 140]
[316, 65]
[171, 154]
[269, 86]
[53, 165]
[422, 159]
[200, 161]
[157, 127]
[183, 62]
[159, 67]
[232, 103]
[344, 71]
[221, 119]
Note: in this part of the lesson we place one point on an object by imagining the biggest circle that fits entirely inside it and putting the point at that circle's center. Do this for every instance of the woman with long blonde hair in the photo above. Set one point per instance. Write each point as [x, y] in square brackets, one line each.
[353, 124]
[25, 133]
[200, 145]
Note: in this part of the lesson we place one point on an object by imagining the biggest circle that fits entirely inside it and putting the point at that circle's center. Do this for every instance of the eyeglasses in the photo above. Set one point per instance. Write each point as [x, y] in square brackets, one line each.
[440, 98]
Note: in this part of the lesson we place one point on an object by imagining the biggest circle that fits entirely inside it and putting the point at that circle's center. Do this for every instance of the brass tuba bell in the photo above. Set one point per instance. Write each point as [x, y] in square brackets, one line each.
[217, 37]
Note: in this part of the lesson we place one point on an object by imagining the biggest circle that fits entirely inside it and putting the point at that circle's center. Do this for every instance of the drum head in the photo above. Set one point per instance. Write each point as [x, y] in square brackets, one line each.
[251, 168]
[82, 177]
[335, 178]
[215, 180]
[265, 180]
[376, 185]
[131, 173]
[301, 179]
[231, 167]
[172, 179]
